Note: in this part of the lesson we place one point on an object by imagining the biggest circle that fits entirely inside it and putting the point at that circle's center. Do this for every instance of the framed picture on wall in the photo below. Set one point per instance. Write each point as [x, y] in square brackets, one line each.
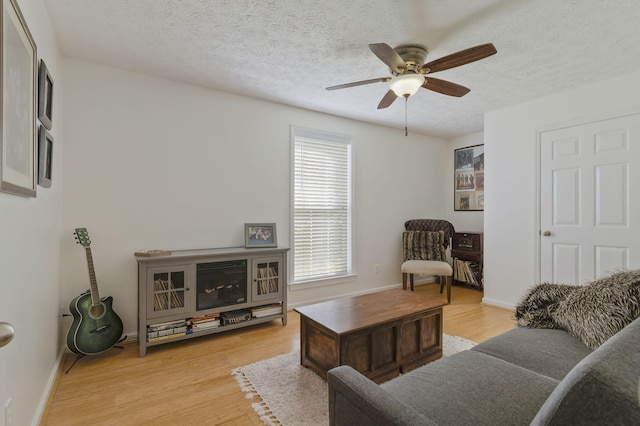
[260, 235]
[18, 139]
[45, 95]
[469, 178]
[45, 157]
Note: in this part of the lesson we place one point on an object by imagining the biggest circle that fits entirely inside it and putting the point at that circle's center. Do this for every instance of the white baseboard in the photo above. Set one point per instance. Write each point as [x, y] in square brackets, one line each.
[498, 303]
[46, 393]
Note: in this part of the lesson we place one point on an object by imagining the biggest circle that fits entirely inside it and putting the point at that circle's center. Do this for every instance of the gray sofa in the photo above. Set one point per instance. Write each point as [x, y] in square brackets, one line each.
[524, 376]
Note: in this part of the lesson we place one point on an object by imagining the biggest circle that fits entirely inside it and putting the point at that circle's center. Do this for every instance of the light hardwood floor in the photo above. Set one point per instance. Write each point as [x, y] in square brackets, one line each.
[189, 382]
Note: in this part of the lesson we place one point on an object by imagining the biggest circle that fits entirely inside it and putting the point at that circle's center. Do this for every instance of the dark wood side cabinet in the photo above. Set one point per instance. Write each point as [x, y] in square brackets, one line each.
[466, 251]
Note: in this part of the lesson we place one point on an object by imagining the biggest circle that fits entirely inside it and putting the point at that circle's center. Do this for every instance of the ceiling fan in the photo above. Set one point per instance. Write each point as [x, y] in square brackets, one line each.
[410, 72]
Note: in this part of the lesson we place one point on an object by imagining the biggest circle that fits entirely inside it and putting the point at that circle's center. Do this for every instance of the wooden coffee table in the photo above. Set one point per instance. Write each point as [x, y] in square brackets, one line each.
[380, 334]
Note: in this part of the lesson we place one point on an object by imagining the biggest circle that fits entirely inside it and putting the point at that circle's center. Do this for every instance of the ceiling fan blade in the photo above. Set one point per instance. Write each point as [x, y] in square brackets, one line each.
[386, 54]
[360, 83]
[445, 87]
[387, 99]
[462, 57]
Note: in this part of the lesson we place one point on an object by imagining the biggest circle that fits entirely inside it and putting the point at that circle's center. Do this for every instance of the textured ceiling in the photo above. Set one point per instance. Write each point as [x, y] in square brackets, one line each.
[288, 51]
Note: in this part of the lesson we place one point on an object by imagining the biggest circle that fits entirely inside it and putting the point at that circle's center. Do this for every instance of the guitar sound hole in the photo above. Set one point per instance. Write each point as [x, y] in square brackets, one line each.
[96, 311]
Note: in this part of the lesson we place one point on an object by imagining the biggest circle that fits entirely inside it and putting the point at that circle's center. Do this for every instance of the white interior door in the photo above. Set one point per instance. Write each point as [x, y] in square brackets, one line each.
[590, 200]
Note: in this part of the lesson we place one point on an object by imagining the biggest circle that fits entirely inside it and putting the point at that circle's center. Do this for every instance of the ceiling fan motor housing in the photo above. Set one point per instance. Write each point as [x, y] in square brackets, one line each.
[413, 55]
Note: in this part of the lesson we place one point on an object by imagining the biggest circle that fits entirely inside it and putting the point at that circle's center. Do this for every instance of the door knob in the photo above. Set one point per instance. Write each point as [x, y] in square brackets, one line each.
[546, 234]
[6, 333]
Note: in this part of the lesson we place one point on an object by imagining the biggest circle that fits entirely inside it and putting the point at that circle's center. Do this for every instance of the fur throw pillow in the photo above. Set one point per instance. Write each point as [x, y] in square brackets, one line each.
[597, 311]
[537, 306]
[424, 245]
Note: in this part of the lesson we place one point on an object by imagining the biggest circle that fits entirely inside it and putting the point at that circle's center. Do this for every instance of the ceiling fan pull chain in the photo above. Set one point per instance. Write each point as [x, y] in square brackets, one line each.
[406, 131]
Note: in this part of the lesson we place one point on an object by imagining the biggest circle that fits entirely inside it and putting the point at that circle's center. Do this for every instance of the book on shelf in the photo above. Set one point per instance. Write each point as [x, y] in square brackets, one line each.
[266, 310]
[206, 321]
[167, 325]
[168, 336]
[206, 325]
[207, 317]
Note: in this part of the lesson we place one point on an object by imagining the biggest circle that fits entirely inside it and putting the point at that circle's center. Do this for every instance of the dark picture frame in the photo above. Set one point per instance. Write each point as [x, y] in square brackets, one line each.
[468, 184]
[260, 235]
[45, 157]
[18, 122]
[45, 95]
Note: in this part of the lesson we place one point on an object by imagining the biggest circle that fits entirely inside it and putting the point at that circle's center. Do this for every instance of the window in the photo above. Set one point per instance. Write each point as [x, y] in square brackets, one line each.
[321, 199]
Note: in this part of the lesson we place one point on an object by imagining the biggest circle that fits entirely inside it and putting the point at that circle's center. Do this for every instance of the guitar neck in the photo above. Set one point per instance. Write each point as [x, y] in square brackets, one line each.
[95, 297]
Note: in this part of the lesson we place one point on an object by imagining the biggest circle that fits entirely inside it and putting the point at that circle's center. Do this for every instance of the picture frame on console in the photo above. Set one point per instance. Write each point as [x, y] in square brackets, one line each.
[469, 178]
[18, 123]
[45, 157]
[260, 235]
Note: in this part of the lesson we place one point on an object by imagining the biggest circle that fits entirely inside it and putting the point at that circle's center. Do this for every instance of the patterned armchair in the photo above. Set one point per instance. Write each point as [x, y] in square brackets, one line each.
[424, 245]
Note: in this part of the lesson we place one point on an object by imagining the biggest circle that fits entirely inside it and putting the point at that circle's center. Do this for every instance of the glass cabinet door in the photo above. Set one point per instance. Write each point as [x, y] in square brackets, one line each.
[168, 291]
[267, 279]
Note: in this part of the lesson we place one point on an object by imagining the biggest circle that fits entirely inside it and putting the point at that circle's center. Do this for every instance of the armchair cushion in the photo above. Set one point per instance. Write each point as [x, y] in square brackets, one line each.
[424, 245]
[426, 267]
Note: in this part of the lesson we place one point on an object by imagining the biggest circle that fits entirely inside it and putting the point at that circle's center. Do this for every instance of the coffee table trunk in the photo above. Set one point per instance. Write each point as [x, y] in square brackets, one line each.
[380, 334]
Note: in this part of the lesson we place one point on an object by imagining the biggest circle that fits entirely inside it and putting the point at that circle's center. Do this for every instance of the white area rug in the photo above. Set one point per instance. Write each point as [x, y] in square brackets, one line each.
[292, 395]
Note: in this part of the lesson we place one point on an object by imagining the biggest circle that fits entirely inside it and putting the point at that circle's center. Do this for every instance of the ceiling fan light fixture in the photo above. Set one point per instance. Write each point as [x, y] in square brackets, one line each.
[406, 84]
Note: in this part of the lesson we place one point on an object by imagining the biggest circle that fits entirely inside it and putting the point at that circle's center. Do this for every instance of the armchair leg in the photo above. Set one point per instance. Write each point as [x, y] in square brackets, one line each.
[411, 281]
[448, 279]
[404, 280]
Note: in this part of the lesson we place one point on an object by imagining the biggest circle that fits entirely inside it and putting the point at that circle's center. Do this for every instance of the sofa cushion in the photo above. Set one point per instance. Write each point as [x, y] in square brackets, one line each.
[539, 303]
[595, 312]
[473, 388]
[356, 400]
[550, 352]
[602, 388]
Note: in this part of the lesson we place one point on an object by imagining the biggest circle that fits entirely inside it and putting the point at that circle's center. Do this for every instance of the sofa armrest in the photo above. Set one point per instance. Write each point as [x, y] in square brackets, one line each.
[356, 400]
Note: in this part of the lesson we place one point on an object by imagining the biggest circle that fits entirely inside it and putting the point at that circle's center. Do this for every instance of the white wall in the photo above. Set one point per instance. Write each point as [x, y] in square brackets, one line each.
[510, 224]
[156, 164]
[30, 259]
[463, 221]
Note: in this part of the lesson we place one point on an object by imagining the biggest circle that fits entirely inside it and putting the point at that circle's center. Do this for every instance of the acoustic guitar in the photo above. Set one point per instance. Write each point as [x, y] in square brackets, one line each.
[96, 327]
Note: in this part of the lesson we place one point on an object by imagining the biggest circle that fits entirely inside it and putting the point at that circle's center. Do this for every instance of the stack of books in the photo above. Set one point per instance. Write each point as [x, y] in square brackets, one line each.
[167, 330]
[266, 310]
[205, 322]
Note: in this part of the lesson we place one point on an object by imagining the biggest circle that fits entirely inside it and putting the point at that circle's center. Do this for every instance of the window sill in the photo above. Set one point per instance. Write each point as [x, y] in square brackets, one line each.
[322, 282]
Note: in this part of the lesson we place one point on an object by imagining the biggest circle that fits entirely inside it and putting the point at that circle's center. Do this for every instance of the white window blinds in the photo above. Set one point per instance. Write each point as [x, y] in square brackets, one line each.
[321, 205]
